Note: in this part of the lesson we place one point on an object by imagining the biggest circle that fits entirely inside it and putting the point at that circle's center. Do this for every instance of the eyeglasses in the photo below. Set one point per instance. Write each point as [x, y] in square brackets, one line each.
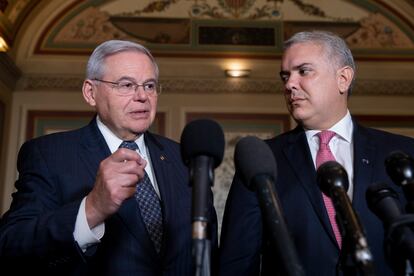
[129, 88]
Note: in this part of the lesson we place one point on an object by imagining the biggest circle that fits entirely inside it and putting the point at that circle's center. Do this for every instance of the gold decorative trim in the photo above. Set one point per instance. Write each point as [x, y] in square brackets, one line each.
[221, 86]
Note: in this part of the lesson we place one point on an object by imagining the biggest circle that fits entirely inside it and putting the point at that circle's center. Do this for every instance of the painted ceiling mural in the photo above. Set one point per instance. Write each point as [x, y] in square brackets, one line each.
[214, 28]
[219, 27]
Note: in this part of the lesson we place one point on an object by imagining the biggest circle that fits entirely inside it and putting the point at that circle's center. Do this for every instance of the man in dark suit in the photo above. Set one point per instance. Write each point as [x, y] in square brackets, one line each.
[317, 70]
[85, 205]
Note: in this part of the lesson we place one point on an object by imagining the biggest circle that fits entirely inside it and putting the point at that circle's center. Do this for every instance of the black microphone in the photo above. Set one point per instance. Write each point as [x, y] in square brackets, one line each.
[202, 150]
[257, 165]
[383, 201]
[332, 179]
[400, 168]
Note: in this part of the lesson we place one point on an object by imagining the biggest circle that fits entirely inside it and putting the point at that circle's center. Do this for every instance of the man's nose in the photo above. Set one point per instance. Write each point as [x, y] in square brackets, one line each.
[140, 94]
[291, 83]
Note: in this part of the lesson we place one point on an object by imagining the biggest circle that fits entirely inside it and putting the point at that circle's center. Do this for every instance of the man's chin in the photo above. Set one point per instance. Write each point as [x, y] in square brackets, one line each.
[298, 116]
[297, 113]
[140, 127]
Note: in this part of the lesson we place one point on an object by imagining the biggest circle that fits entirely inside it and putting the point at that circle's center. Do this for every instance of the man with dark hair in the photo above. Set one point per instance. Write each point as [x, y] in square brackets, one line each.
[110, 198]
[318, 71]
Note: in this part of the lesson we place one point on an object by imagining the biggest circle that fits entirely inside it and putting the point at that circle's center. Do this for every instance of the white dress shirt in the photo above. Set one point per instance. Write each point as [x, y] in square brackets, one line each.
[341, 146]
[84, 235]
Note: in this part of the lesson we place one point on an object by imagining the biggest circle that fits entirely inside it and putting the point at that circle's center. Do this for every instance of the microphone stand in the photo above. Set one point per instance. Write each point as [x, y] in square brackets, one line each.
[354, 260]
[276, 225]
[394, 253]
[357, 255]
[202, 175]
[201, 255]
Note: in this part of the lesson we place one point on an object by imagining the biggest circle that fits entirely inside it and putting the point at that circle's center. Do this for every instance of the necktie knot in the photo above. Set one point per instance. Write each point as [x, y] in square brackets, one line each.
[325, 136]
[129, 145]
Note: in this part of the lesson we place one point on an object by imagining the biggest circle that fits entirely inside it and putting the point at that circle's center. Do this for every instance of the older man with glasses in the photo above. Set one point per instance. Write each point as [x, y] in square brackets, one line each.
[110, 198]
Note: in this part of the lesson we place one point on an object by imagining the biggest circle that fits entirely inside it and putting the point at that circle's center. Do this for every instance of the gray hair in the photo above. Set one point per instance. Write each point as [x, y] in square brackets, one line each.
[96, 64]
[335, 47]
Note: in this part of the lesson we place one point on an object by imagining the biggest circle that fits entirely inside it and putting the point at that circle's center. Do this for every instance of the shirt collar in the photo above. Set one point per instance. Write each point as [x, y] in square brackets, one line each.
[343, 129]
[113, 141]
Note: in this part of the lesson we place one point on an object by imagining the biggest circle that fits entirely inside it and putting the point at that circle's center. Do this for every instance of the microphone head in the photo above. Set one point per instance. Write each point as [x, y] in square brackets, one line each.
[400, 168]
[378, 191]
[253, 157]
[331, 175]
[384, 202]
[202, 137]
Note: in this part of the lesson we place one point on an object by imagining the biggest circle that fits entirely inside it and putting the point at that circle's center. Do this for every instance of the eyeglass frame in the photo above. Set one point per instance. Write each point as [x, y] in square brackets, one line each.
[116, 85]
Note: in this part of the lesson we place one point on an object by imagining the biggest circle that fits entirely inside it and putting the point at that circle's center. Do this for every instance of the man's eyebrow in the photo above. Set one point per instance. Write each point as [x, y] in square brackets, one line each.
[284, 73]
[150, 80]
[127, 78]
[302, 65]
[297, 67]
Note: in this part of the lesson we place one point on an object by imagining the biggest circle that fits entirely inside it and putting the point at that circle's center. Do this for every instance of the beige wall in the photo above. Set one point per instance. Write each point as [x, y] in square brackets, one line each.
[175, 106]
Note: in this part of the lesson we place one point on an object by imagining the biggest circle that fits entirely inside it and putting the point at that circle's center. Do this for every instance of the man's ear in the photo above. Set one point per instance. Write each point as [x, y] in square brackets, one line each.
[344, 77]
[88, 92]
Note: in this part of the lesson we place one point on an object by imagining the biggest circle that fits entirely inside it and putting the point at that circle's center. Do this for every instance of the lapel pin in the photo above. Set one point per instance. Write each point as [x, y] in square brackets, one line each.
[365, 161]
[162, 157]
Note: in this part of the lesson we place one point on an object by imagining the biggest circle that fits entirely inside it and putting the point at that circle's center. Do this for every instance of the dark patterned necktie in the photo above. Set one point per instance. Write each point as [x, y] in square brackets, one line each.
[149, 204]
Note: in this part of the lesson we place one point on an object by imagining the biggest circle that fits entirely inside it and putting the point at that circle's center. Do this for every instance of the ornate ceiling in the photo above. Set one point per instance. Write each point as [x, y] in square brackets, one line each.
[205, 34]
[372, 28]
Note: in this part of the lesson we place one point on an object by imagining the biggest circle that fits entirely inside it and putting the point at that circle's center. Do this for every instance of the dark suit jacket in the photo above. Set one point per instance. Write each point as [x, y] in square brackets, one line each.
[55, 172]
[244, 243]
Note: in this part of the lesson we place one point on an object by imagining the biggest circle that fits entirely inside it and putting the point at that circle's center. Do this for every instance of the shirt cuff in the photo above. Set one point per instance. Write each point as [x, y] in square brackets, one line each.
[83, 235]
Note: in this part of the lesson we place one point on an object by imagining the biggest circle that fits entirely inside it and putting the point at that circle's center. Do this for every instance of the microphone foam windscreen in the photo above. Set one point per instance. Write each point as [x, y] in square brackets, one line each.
[376, 192]
[252, 157]
[202, 137]
[400, 167]
[383, 201]
[331, 175]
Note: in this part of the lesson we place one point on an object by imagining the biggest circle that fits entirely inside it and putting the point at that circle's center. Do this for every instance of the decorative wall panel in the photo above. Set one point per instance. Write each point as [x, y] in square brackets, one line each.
[236, 126]
[41, 122]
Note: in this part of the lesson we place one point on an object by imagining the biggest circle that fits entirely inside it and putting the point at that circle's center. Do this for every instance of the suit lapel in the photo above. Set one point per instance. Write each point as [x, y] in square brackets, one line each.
[298, 154]
[162, 170]
[364, 155]
[131, 217]
[93, 149]
[161, 162]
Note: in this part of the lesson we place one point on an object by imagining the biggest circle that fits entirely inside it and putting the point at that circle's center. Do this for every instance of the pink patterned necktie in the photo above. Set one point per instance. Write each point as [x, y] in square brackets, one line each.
[324, 154]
